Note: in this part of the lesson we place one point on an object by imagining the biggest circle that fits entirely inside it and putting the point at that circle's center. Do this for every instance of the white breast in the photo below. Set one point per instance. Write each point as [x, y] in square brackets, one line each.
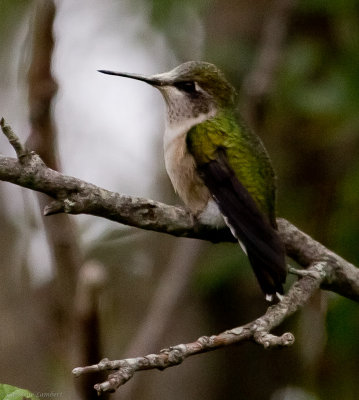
[181, 168]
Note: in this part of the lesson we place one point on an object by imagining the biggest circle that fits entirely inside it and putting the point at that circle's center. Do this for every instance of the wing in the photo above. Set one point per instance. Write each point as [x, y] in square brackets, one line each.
[264, 247]
[248, 224]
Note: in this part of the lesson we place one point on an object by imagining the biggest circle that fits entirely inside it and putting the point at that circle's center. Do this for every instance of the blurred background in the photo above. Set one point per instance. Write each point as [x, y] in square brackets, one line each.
[77, 289]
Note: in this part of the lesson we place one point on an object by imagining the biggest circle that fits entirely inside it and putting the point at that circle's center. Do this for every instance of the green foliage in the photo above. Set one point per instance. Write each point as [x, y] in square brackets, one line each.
[8, 392]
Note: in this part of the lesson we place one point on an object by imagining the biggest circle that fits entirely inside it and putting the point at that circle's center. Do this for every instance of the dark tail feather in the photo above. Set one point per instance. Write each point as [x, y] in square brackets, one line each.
[264, 248]
[270, 276]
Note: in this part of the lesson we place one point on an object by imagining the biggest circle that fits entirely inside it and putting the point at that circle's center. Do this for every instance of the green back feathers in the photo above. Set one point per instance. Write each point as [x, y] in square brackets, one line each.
[245, 155]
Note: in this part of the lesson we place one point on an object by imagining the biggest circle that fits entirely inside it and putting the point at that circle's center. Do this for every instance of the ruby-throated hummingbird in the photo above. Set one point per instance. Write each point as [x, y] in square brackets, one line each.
[218, 167]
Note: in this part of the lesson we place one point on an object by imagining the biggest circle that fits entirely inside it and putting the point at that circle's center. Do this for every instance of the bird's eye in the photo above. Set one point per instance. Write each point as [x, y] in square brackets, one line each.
[186, 86]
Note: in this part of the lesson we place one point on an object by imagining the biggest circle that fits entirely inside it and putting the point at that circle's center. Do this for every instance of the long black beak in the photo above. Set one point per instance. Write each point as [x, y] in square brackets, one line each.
[151, 80]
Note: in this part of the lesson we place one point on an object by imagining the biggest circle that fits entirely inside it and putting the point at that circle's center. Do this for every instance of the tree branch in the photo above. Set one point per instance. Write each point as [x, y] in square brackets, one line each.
[257, 331]
[13, 140]
[342, 277]
[74, 196]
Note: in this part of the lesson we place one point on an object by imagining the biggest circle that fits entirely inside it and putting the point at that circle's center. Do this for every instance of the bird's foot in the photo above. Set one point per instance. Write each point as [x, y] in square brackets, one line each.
[299, 272]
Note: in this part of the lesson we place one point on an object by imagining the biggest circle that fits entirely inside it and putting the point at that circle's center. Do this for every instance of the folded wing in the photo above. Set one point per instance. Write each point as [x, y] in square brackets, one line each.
[261, 240]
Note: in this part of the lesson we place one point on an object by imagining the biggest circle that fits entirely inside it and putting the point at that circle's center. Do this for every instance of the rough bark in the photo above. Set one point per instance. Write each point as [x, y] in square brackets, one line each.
[74, 196]
[324, 269]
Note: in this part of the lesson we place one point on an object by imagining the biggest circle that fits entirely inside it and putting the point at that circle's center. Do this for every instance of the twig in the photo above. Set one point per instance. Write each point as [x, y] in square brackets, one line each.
[257, 331]
[20, 150]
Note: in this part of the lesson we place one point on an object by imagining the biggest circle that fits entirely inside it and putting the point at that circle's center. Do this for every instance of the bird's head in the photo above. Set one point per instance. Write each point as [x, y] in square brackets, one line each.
[191, 89]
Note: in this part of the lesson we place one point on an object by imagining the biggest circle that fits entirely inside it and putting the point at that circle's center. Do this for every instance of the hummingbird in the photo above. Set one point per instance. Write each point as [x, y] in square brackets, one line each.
[218, 166]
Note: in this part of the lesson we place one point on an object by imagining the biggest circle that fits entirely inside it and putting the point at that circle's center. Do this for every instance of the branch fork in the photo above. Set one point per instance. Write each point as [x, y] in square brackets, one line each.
[323, 268]
[257, 331]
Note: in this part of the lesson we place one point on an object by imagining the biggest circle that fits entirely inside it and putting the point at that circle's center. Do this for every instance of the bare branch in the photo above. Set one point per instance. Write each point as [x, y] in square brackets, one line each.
[342, 277]
[71, 195]
[257, 331]
[20, 150]
[74, 196]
